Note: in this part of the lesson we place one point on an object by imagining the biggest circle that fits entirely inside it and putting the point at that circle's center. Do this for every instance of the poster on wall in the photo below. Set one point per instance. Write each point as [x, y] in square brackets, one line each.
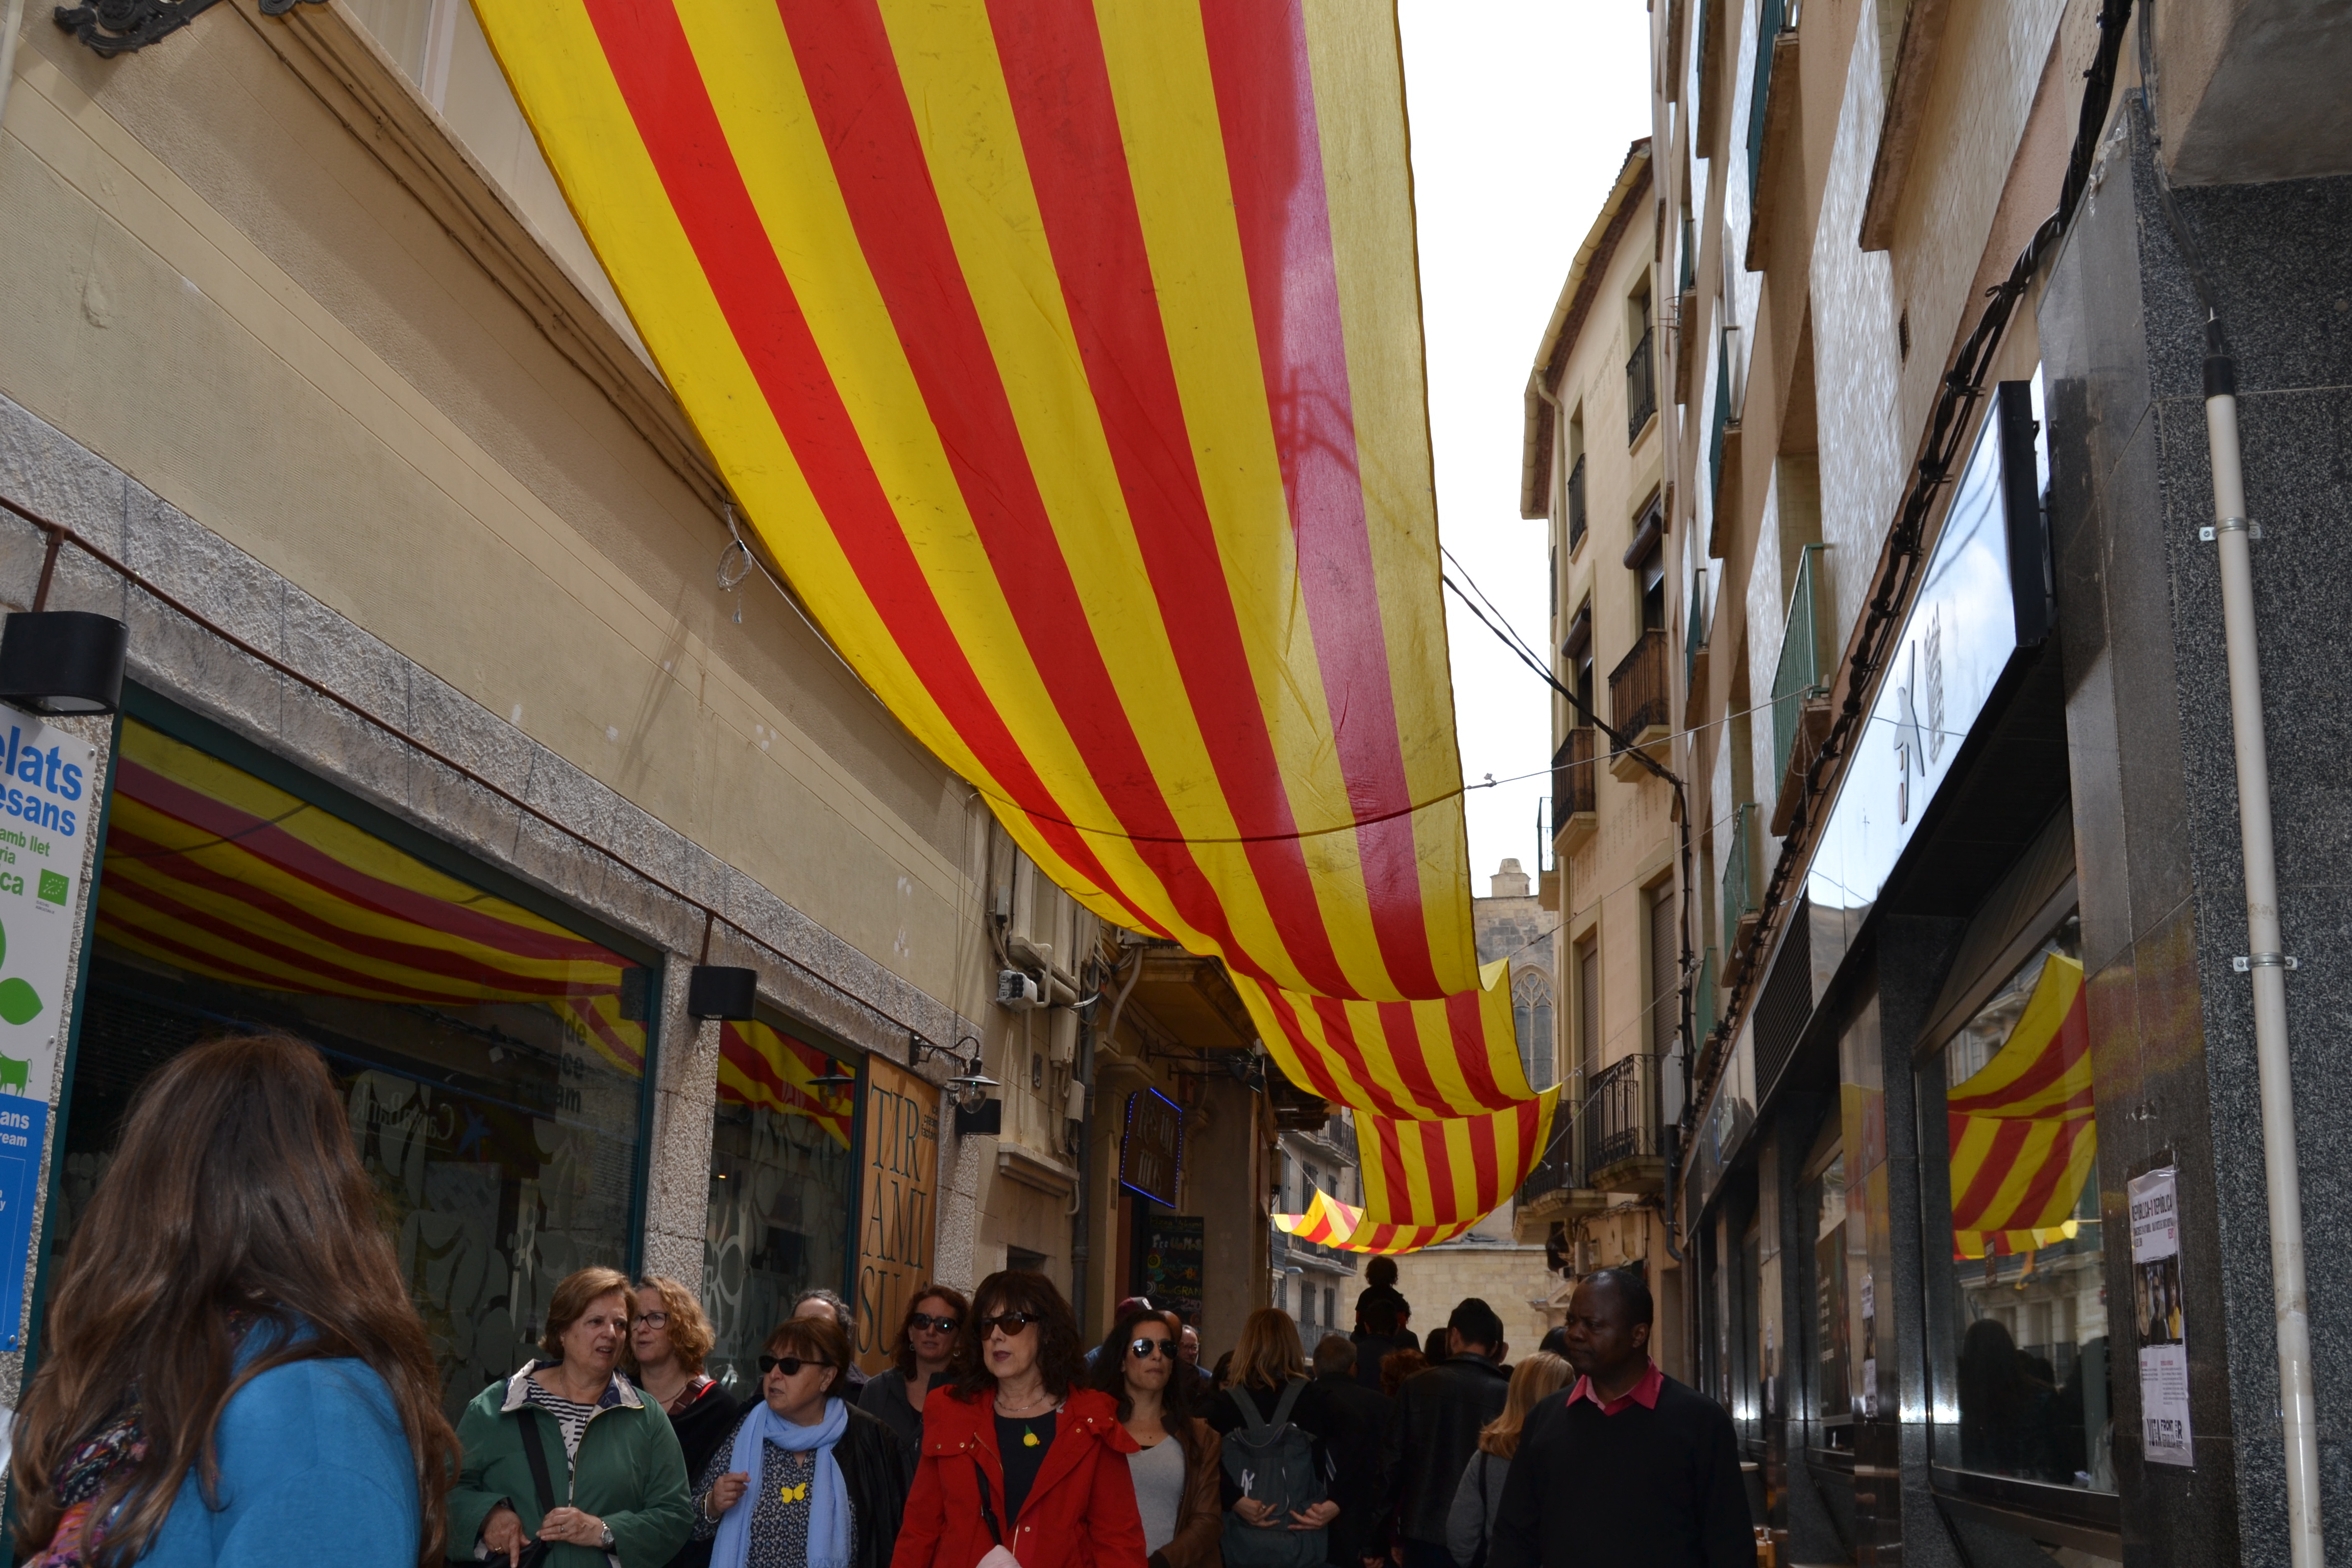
[897, 1210]
[1174, 1246]
[2155, 1314]
[46, 811]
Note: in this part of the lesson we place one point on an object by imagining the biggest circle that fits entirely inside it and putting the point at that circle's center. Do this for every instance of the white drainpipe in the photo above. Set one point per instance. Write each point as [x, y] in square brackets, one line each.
[2268, 964]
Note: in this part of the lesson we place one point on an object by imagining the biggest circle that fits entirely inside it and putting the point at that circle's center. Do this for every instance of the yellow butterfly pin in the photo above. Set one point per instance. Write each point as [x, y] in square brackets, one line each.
[793, 1494]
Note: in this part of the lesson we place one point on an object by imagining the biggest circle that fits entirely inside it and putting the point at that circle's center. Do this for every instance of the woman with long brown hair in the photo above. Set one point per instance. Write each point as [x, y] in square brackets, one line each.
[918, 1363]
[1470, 1523]
[1176, 1462]
[235, 1369]
[1023, 1467]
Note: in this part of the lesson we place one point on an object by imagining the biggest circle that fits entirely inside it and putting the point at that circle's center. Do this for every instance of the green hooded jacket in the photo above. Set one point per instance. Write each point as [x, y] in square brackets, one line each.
[629, 1473]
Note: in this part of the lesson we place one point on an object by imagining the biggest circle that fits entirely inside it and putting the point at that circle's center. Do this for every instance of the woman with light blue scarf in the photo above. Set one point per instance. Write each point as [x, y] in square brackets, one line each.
[804, 1480]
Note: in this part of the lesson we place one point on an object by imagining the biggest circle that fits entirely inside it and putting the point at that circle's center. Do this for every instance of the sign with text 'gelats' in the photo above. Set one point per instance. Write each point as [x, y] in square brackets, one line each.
[48, 803]
[898, 1210]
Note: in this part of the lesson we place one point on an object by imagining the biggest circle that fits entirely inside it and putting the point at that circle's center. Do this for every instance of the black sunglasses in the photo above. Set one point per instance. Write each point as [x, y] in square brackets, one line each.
[790, 1365]
[925, 1321]
[1145, 1349]
[1011, 1323]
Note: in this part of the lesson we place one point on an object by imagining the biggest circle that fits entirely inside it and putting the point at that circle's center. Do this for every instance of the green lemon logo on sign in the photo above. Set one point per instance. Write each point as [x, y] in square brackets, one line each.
[19, 1003]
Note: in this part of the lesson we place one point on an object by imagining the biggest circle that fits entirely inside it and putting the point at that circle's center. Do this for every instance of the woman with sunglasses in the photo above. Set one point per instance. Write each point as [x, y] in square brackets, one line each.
[1023, 1466]
[918, 1364]
[803, 1480]
[1176, 1462]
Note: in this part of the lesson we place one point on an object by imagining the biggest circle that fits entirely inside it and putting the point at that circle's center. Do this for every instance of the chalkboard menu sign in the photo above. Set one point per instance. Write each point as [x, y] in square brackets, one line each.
[1172, 1248]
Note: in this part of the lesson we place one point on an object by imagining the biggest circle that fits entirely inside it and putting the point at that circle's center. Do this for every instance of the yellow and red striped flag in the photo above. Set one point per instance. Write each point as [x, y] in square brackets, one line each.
[1329, 1221]
[2024, 1140]
[1066, 354]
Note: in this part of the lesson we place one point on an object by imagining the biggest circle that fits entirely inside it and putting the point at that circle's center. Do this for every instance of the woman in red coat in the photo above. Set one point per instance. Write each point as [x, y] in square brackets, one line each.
[1023, 1466]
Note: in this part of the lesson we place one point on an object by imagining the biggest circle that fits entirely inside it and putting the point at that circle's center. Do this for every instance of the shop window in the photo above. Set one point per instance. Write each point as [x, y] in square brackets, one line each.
[783, 1187]
[1823, 1196]
[493, 1056]
[2022, 1374]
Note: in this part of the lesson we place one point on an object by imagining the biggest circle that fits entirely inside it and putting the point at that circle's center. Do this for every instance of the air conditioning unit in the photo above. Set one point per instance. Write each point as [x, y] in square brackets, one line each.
[1017, 991]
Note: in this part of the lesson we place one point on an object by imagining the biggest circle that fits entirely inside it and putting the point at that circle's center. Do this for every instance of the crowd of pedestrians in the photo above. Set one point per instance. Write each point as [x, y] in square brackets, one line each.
[235, 1375]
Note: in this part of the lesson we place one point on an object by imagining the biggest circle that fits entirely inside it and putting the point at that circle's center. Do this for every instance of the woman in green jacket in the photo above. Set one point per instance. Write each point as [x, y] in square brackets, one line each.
[616, 1478]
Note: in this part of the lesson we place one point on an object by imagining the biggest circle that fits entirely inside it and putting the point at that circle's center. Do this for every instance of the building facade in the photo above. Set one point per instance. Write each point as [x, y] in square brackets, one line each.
[1970, 1180]
[1594, 470]
[461, 734]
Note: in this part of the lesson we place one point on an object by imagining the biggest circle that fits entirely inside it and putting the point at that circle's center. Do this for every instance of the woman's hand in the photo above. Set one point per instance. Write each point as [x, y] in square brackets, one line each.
[573, 1527]
[726, 1491]
[1315, 1518]
[502, 1532]
[1253, 1512]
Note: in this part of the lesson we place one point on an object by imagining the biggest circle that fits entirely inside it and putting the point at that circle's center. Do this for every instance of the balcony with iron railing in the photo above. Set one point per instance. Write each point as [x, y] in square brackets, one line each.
[1640, 386]
[1573, 796]
[1641, 697]
[1617, 1128]
[1801, 690]
[1577, 518]
[1609, 1137]
[1742, 910]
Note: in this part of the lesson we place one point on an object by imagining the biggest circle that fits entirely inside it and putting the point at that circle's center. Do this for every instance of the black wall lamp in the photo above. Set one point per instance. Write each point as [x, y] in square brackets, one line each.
[63, 661]
[721, 991]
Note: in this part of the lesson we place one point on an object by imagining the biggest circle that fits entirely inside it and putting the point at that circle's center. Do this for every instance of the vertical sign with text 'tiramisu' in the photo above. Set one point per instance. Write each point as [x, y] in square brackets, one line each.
[898, 1212]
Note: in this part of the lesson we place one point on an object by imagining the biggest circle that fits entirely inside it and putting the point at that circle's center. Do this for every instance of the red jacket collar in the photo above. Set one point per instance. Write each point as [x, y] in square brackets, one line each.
[962, 1425]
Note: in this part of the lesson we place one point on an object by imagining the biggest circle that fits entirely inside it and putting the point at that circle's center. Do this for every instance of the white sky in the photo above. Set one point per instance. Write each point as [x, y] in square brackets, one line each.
[1521, 112]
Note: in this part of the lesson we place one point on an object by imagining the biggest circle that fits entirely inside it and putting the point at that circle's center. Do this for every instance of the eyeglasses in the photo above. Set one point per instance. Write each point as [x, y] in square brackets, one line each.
[652, 1319]
[790, 1365]
[1145, 1349]
[1013, 1323]
[924, 1322]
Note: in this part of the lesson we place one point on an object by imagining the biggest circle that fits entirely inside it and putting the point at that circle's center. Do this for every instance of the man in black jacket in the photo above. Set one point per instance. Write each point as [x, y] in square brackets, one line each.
[1629, 1467]
[1355, 1452]
[1439, 1413]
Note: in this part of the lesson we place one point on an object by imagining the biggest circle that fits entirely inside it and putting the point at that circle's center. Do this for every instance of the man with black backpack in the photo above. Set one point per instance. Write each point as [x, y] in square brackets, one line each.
[1438, 1417]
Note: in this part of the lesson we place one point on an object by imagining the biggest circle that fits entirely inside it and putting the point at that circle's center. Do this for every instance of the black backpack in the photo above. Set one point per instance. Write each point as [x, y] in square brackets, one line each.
[1272, 1461]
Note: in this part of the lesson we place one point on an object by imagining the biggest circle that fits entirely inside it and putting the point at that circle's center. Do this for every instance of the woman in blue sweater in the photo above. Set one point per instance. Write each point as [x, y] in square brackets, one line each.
[235, 1374]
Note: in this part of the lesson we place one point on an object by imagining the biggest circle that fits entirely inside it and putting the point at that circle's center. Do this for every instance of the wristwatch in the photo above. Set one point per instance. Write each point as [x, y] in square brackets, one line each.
[608, 1538]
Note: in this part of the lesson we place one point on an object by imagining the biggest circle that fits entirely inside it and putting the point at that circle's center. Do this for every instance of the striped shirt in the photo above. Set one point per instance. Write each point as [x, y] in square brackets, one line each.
[570, 1415]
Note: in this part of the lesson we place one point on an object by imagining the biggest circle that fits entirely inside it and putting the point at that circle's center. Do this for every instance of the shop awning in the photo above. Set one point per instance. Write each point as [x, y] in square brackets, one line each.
[211, 870]
[2024, 1139]
[1067, 358]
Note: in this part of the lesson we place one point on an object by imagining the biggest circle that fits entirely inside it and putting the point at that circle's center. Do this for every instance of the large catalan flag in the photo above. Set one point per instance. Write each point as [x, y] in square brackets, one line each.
[2023, 1137]
[1067, 356]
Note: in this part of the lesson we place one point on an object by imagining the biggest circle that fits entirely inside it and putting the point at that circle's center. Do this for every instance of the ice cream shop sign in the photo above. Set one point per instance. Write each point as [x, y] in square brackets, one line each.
[46, 809]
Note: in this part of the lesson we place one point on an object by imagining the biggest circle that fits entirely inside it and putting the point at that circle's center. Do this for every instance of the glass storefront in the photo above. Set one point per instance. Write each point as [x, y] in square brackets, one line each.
[494, 1059]
[2021, 1375]
[783, 1189]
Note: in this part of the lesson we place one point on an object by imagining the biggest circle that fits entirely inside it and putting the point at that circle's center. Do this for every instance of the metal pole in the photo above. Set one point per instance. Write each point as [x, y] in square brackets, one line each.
[2267, 964]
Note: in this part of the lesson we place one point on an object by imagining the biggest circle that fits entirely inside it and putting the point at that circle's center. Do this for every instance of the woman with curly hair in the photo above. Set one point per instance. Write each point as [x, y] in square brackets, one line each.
[668, 1337]
[1176, 1463]
[1022, 1464]
[235, 1372]
[918, 1364]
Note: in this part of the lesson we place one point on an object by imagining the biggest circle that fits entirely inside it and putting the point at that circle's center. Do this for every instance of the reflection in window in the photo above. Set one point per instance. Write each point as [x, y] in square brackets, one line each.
[782, 1183]
[2025, 1390]
[492, 1060]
